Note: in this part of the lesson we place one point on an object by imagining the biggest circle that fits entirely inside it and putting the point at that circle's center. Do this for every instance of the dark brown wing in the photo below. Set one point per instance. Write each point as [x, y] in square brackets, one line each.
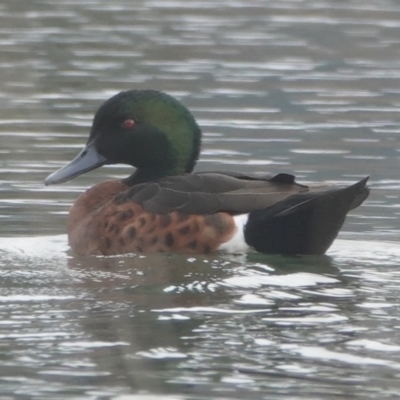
[209, 192]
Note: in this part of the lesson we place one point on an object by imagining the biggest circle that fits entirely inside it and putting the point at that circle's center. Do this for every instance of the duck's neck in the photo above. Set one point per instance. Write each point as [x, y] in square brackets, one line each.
[144, 175]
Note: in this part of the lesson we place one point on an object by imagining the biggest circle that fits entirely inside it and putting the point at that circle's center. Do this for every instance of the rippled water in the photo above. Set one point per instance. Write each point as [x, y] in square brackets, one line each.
[309, 87]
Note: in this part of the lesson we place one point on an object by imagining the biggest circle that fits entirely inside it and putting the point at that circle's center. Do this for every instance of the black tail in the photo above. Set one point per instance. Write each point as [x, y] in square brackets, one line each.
[305, 223]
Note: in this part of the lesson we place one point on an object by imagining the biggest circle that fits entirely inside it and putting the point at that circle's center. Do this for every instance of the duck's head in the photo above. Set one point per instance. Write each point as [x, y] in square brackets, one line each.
[147, 129]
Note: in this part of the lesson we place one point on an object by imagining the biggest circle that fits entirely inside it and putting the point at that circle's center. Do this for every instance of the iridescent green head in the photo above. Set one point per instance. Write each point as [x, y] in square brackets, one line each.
[147, 129]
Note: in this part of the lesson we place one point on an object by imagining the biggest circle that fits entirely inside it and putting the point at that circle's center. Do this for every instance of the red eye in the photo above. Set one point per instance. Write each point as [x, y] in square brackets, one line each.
[128, 123]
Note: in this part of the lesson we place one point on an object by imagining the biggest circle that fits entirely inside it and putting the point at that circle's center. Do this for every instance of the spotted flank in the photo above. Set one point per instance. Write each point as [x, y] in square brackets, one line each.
[128, 228]
[165, 207]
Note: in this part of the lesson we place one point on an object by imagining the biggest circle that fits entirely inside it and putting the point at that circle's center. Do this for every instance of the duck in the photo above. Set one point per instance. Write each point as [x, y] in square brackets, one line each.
[163, 206]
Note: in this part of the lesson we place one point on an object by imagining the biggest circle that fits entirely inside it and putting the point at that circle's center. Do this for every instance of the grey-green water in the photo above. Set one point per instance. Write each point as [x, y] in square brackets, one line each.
[308, 87]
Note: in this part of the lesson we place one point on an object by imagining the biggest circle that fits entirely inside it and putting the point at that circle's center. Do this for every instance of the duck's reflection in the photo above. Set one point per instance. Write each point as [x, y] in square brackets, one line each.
[148, 312]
